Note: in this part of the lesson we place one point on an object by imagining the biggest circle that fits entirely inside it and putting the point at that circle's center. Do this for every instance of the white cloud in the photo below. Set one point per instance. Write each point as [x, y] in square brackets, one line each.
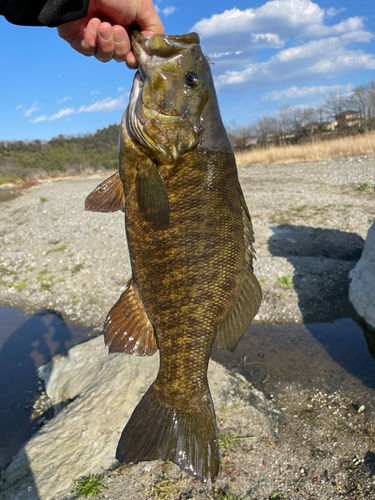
[31, 110]
[332, 11]
[56, 116]
[167, 11]
[106, 104]
[95, 92]
[63, 100]
[19, 106]
[120, 89]
[269, 26]
[42, 118]
[235, 38]
[220, 54]
[297, 92]
[324, 58]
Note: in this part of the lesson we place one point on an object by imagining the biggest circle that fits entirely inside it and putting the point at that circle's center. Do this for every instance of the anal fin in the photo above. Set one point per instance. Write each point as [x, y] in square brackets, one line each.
[107, 197]
[127, 327]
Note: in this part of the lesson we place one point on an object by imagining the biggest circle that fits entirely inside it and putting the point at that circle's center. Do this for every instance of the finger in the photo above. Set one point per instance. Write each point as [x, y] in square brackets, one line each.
[121, 43]
[80, 35]
[131, 60]
[148, 19]
[88, 45]
[150, 24]
[105, 43]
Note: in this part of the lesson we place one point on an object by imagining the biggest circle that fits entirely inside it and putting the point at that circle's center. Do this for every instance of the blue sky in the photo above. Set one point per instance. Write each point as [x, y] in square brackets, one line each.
[266, 55]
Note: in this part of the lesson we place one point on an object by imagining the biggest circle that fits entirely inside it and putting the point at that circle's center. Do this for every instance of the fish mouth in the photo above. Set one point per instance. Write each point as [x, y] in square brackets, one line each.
[161, 45]
[157, 46]
[166, 133]
[140, 45]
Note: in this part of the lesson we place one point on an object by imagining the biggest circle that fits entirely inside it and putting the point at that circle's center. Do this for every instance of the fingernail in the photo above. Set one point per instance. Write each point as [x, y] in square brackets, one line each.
[119, 37]
[105, 34]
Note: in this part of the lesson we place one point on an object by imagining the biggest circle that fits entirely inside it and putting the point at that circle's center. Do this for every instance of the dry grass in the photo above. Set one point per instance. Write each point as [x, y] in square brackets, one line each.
[356, 145]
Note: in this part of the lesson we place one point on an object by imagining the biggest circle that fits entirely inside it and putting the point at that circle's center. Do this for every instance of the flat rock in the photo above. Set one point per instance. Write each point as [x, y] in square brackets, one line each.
[362, 286]
[99, 393]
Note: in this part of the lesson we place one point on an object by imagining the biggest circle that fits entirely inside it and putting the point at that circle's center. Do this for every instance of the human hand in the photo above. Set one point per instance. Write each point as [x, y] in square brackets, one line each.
[102, 33]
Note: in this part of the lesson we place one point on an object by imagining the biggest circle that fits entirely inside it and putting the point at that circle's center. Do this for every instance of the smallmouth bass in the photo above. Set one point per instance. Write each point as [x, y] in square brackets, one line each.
[190, 241]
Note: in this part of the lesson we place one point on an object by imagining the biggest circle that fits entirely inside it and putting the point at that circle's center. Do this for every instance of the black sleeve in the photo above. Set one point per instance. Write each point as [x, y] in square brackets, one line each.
[50, 13]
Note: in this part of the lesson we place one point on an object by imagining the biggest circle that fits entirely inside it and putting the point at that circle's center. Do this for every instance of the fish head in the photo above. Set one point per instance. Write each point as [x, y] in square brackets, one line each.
[169, 93]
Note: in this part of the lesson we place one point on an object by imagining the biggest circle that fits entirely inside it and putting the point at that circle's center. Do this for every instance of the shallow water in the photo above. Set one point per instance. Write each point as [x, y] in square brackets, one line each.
[7, 194]
[25, 344]
[333, 355]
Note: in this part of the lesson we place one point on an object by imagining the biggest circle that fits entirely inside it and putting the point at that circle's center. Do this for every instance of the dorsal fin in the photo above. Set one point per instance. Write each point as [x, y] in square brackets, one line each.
[247, 303]
[127, 327]
[107, 197]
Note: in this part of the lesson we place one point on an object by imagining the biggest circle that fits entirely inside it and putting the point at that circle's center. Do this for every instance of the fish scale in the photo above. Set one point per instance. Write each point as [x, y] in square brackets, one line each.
[190, 242]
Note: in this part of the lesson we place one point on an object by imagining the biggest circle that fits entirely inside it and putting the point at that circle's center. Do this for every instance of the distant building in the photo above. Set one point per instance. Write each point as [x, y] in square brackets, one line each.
[251, 141]
[329, 126]
[349, 118]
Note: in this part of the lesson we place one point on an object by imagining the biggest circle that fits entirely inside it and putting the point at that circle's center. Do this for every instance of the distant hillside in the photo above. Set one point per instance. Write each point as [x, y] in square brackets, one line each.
[62, 154]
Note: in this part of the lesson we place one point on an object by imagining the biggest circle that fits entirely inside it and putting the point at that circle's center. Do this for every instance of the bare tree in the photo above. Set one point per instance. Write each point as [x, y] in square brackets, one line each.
[266, 129]
[335, 103]
[286, 120]
[371, 102]
[238, 135]
[359, 100]
[297, 121]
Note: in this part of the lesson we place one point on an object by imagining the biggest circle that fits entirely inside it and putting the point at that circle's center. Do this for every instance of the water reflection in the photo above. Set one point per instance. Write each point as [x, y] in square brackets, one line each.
[331, 355]
[347, 345]
[25, 344]
[7, 194]
[368, 332]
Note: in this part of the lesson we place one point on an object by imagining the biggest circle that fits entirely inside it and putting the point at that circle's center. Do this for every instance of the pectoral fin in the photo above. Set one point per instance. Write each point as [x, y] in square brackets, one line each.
[107, 197]
[247, 302]
[127, 327]
[152, 198]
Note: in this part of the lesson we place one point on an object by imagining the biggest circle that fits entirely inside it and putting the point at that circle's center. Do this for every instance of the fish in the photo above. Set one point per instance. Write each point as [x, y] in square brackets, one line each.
[190, 240]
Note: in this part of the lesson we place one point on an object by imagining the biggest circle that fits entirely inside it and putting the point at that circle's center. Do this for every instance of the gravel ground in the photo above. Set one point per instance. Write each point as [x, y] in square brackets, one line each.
[310, 224]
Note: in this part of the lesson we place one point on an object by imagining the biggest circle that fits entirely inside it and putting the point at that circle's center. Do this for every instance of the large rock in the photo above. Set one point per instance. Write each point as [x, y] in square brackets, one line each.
[101, 392]
[362, 286]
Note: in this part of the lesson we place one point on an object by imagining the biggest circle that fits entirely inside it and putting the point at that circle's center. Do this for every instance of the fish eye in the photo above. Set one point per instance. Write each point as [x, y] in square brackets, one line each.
[191, 79]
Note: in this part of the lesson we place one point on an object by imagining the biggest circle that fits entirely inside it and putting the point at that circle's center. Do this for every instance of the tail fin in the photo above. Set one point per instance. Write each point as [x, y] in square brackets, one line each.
[187, 438]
